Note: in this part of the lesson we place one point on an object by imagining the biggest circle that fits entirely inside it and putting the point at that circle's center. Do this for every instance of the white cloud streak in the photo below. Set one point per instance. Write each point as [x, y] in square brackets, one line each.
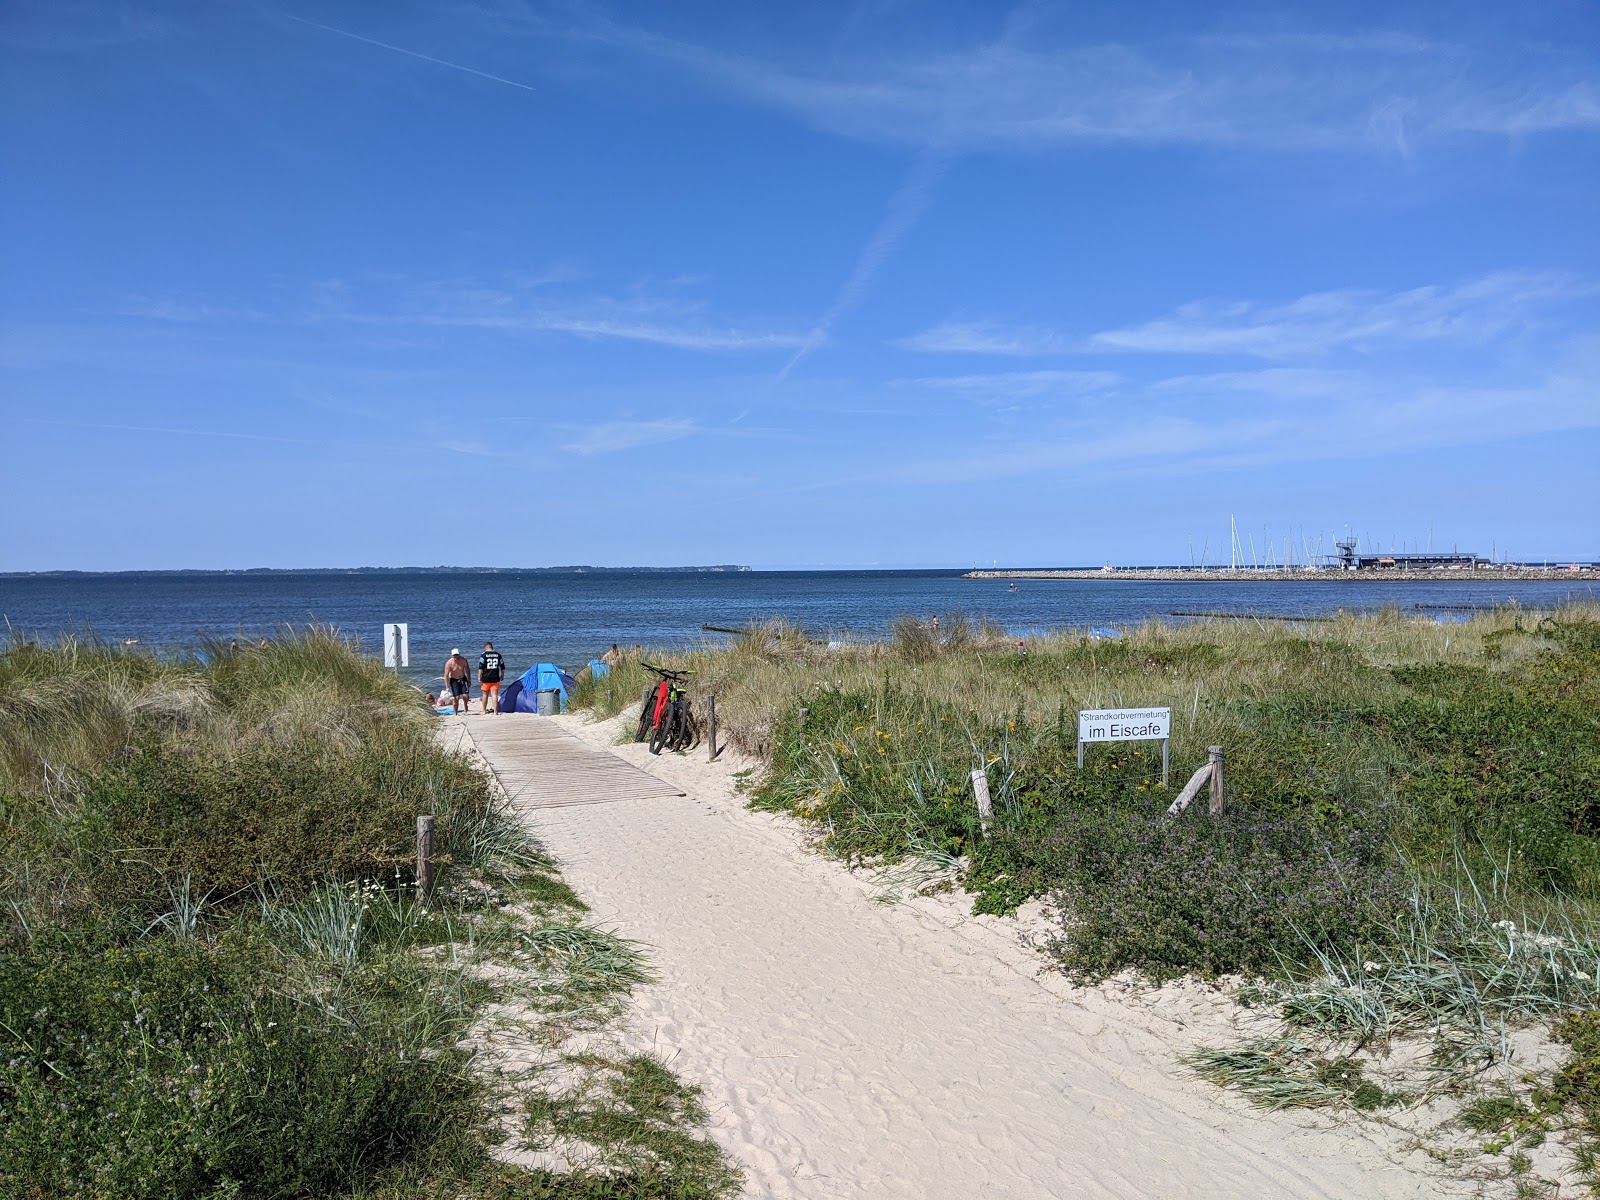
[1012, 388]
[454, 305]
[1323, 322]
[1382, 91]
[1359, 320]
[611, 437]
[681, 338]
[987, 337]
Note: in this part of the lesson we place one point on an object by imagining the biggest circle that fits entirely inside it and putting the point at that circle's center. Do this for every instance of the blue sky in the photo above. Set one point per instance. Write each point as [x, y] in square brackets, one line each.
[880, 283]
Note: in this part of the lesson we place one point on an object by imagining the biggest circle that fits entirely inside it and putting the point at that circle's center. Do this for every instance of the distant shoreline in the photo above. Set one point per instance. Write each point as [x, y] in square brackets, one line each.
[1517, 574]
[725, 568]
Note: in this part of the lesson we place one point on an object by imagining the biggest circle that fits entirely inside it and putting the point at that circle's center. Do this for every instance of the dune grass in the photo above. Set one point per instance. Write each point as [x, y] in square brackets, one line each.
[216, 976]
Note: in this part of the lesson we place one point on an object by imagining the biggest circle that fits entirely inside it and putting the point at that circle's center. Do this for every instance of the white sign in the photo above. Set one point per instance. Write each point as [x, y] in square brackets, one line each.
[1124, 724]
[396, 646]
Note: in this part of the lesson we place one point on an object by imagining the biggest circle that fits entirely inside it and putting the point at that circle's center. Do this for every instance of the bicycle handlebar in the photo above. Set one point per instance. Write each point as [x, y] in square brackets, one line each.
[666, 673]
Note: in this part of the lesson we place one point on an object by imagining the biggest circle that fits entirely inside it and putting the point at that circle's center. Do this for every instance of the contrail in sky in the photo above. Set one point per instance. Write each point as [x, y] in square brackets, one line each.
[905, 206]
[356, 37]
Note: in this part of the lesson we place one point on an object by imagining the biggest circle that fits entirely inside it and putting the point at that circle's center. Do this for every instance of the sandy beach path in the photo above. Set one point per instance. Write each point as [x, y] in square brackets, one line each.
[848, 1048]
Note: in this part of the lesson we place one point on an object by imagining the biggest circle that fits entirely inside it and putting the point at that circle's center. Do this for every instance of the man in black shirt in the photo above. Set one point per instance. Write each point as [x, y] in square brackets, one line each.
[490, 666]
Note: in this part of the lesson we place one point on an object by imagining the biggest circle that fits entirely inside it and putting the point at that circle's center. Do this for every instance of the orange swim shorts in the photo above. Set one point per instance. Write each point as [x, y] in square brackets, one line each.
[490, 687]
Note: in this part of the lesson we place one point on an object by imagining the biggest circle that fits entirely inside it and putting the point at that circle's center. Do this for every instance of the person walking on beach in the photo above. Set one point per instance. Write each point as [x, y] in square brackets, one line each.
[490, 665]
[458, 679]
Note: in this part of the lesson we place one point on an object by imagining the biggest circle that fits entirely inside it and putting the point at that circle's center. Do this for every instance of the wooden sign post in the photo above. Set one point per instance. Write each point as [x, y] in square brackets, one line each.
[425, 827]
[980, 791]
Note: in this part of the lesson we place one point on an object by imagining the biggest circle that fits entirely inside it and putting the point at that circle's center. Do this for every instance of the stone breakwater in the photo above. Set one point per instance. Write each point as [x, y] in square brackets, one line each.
[1588, 573]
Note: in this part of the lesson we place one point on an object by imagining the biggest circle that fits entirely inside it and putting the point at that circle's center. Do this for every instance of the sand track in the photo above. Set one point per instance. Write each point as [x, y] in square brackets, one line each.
[854, 1049]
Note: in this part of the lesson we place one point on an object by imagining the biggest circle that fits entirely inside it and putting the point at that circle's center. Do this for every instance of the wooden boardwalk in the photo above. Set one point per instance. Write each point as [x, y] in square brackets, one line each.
[539, 766]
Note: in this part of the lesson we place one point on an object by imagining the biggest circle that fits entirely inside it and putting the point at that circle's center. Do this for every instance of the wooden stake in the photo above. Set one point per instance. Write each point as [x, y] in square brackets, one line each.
[980, 789]
[711, 726]
[424, 856]
[1215, 754]
[1190, 790]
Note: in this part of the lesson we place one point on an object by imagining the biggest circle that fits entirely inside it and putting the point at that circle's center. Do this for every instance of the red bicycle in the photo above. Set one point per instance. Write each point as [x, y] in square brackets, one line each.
[665, 717]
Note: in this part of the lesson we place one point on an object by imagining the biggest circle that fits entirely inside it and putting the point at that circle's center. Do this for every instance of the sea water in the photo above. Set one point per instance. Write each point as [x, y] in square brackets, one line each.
[536, 616]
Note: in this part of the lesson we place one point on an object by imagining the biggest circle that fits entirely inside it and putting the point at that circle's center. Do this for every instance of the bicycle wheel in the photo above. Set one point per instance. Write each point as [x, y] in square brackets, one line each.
[658, 735]
[689, 731]
[677, 732]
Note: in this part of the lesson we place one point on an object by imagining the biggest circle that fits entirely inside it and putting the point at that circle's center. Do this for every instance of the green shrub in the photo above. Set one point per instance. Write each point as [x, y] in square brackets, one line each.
[1508, 758]
[171, 1069]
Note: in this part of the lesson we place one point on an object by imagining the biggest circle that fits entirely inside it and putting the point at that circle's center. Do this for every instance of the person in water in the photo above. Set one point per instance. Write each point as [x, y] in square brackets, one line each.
[490, 667]
[458, 679]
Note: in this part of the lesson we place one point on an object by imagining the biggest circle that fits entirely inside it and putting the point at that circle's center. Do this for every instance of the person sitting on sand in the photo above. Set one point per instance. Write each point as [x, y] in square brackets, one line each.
[490, 666]
[458, 678]
[612, 656]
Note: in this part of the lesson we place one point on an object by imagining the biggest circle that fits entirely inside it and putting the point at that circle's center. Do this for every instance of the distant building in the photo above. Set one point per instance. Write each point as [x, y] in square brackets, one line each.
[1350, 558]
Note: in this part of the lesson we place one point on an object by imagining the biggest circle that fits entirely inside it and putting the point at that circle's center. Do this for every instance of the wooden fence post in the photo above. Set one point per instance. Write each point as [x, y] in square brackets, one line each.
[980, 790]
[1190, 790]
[803, 711]
[424, 857]
[1215, 754]
[711, 725]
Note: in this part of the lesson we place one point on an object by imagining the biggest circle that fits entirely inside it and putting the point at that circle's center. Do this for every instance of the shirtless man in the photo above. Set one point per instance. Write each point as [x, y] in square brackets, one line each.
[490, 667]
[458, 678]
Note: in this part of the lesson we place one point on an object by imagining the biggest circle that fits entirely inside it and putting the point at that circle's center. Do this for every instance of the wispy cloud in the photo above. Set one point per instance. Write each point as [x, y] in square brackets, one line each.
[1357, 415]
[1378, 91]
[517, 306]
[610, 437]
[986, 337]
[76, 26]
[1360, 320]
[679, 337]
[1012, 388]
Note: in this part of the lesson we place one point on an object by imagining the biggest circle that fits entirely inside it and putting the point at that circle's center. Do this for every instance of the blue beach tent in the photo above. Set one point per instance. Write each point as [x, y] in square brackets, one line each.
[521, 695]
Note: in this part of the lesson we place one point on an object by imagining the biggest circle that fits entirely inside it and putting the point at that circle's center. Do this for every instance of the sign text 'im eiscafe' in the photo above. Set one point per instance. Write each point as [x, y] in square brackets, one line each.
[1124, 724]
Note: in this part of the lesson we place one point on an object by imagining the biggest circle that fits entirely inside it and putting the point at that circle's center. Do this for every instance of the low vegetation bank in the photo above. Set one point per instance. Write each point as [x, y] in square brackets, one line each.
[216, 977]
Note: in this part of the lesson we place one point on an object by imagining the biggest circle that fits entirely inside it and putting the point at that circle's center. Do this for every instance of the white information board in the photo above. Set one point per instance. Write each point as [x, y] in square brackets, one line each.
[1127, 725]
[1124, 724]
[397, 645]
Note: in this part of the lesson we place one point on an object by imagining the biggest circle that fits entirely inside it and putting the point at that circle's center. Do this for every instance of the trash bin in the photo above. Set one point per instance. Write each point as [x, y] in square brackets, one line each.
[549, 701]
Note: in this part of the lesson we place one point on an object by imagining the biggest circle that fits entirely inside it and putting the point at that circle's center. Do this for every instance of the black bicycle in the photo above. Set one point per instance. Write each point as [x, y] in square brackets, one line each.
[665, 717]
